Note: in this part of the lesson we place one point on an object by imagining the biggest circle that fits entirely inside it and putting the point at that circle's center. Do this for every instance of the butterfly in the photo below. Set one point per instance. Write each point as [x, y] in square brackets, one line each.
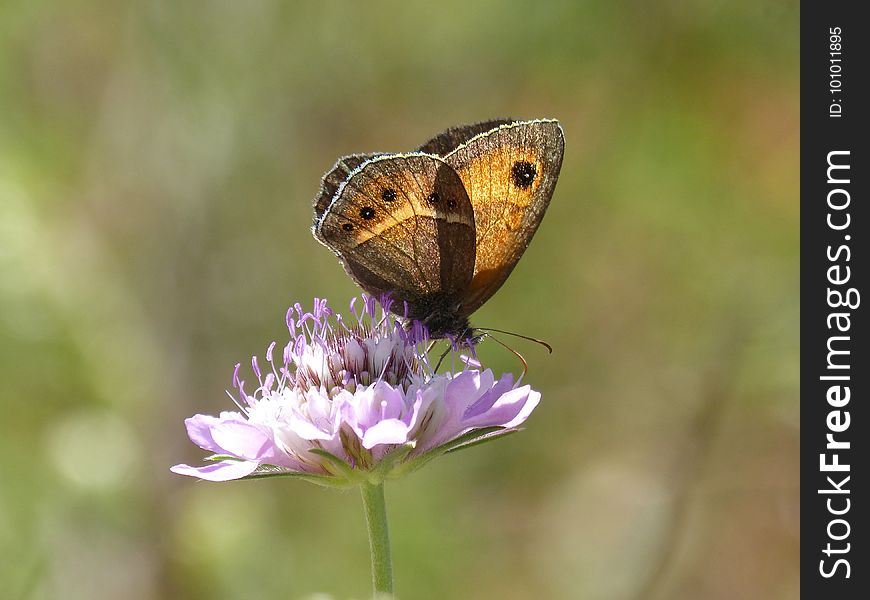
[440, 229]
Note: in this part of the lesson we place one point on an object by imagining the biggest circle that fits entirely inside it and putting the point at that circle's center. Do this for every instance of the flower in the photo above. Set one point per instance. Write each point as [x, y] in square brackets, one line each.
[351, 402]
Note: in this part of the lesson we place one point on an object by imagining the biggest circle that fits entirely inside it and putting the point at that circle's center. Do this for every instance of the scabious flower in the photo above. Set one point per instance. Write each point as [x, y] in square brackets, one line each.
[353, 401]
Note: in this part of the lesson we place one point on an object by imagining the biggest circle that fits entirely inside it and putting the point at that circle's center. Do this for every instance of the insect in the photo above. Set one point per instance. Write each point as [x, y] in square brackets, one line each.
[440, 229]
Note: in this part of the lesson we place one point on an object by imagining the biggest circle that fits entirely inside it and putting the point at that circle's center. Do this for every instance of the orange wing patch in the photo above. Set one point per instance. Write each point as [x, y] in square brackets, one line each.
[509, 174]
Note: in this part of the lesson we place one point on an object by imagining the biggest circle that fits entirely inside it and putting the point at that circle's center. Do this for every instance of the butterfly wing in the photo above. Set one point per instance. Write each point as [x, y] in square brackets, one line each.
[447, 141]
[403, 225]
[509, 173]
[337, 175]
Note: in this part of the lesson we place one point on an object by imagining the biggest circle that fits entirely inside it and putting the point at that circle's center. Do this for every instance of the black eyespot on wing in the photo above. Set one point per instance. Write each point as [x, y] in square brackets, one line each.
[389, 195]
[451, 203]
[347, 226]
[367, 212]
[523, 173]
[434, 198]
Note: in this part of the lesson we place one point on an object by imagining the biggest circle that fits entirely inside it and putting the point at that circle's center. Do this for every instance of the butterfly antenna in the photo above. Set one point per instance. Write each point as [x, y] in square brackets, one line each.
[514, 352]
[519, 335]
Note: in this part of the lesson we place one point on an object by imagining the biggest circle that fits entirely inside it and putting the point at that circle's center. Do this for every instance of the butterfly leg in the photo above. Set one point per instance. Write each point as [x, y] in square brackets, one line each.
[443, 356]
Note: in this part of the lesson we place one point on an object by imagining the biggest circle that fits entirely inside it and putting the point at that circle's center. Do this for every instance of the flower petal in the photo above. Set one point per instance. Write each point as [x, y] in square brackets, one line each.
[242, 439]
[446, 417]
[225, 470]
[199, 430]
[485, 402]
[307, 430]
[388, 431]
[510, 410]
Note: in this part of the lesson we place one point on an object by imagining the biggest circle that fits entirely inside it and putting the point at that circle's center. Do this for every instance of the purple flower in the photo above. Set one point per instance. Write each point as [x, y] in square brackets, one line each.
[353, 401]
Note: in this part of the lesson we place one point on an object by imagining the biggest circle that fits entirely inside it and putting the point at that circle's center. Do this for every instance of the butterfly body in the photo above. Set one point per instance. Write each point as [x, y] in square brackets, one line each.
[440, 229]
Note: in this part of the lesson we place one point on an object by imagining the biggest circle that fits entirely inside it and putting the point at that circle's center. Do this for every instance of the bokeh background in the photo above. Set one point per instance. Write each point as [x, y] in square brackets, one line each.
[157, 165]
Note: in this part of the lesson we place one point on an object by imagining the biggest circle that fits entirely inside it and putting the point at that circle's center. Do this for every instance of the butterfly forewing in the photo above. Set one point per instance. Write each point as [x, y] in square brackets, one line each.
[509, 173]
[403, 225]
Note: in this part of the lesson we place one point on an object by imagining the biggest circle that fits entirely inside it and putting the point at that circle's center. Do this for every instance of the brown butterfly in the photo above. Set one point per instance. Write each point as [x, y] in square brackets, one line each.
[440, 229]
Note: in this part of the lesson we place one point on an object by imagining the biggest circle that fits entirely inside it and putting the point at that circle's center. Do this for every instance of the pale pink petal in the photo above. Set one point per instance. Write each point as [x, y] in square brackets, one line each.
[199, 430]
[485, 402]
[306, 430]
[511, 409]
[244, 440]
[225, 470]
[388, 431]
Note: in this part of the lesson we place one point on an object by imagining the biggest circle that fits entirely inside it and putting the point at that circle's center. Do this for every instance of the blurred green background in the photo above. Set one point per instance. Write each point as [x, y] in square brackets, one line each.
[157, 165]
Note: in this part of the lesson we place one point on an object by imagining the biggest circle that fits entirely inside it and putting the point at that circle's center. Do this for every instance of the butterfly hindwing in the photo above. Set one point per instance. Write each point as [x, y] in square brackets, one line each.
[509, 173]
[403, 225]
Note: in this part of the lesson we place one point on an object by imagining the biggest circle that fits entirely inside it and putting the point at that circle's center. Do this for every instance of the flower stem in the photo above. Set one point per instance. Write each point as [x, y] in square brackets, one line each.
[379, 538]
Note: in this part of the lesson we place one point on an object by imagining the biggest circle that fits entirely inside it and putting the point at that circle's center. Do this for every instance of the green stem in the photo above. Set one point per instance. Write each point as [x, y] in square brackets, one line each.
[379, 538]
